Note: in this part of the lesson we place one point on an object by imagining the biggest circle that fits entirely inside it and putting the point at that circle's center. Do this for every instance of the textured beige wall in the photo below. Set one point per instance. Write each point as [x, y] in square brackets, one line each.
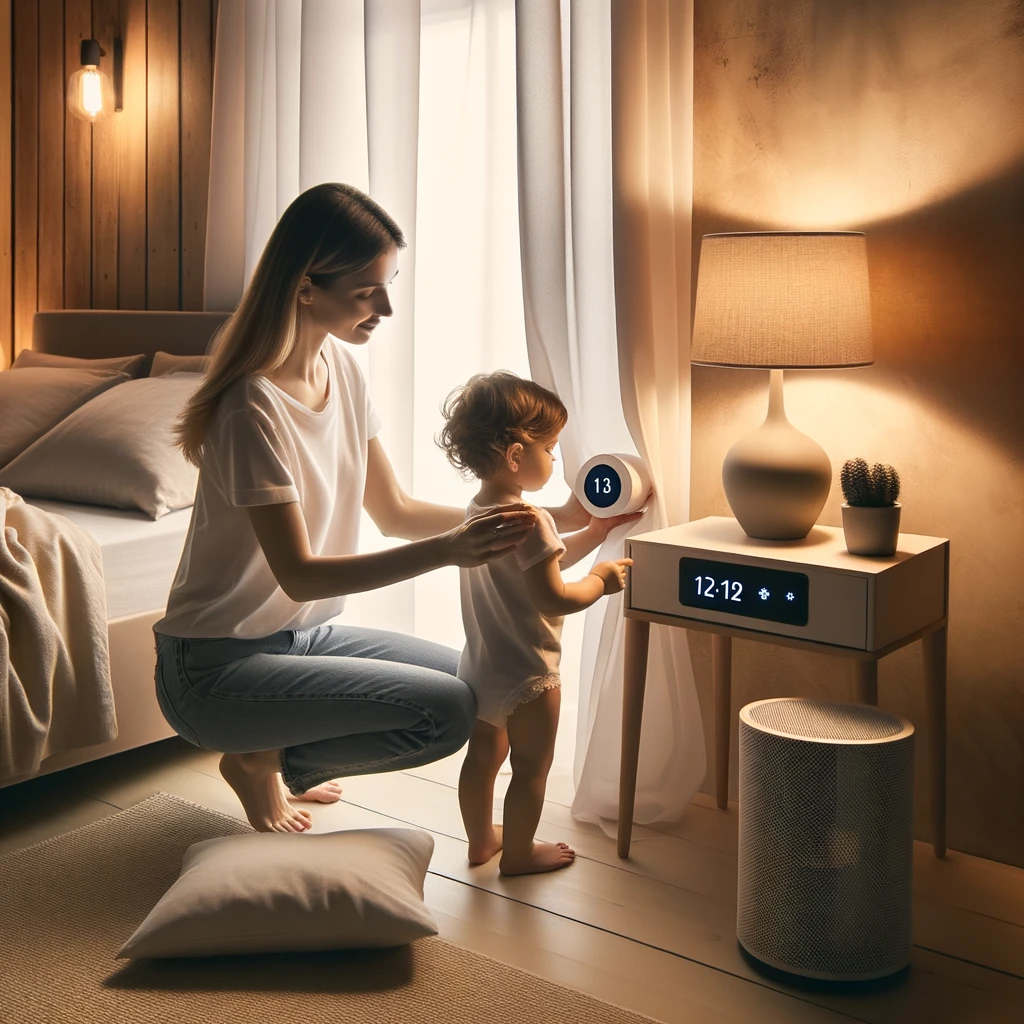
[903, 119]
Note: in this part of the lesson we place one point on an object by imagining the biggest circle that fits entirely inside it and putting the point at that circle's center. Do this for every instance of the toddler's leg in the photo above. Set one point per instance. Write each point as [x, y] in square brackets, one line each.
[531, 732]
[488, 748]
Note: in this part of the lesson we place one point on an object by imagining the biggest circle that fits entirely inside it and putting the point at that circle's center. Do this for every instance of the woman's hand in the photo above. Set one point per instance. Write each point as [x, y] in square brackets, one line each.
[612, 574]
[489, 535]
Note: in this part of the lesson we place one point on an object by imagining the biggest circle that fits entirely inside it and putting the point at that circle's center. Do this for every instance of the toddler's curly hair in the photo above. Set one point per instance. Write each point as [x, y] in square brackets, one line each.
[490, 413]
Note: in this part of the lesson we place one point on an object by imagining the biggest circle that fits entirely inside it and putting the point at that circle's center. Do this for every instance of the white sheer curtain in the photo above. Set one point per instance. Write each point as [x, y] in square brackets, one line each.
[605, 142]
[414, 102]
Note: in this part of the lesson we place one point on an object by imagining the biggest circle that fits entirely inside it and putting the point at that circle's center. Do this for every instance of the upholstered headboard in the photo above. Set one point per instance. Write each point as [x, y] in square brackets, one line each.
[97, 333]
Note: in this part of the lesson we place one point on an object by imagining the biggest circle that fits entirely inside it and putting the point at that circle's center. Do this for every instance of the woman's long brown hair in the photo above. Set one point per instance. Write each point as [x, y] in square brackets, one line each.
[328, 231]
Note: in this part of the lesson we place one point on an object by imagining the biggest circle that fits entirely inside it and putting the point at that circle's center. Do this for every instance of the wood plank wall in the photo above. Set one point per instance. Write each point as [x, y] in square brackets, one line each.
[113, 215]
[6, 196]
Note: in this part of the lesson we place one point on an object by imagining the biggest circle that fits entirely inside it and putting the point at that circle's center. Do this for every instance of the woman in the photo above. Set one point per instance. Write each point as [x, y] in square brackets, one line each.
[284, 435]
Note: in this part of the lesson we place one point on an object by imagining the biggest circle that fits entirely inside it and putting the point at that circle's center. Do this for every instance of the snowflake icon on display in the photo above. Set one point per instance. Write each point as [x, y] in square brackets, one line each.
[790, 596]
[764, 594]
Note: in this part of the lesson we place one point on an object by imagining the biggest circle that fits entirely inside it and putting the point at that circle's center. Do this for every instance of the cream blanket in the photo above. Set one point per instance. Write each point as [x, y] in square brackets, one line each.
[55, 691]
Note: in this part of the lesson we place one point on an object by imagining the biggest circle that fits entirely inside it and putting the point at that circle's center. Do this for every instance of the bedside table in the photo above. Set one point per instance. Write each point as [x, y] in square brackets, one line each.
[811, 594]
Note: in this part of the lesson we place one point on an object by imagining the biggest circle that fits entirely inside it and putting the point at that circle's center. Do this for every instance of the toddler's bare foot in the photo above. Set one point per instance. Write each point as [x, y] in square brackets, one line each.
[255, 780]
[543, 857]
[326, 793]
[482, 852]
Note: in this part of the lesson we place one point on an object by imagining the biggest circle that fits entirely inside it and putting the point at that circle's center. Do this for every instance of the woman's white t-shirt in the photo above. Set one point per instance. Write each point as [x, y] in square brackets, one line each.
[264, 447]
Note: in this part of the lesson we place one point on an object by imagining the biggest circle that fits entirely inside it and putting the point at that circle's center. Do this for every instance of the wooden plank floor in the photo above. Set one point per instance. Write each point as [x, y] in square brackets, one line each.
[654, 933]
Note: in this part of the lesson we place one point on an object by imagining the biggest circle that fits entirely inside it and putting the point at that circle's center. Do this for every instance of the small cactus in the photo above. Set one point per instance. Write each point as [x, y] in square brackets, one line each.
[875, 487]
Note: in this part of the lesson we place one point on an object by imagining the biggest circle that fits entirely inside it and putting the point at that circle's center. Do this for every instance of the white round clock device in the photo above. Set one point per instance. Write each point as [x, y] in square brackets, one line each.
[613, 485]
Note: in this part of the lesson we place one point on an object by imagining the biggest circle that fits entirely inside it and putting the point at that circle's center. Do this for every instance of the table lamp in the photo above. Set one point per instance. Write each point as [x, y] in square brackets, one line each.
[781, 300]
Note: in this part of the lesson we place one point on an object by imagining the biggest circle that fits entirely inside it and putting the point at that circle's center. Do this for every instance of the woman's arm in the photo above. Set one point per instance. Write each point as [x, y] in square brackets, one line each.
[303, 576]
[393, 511]
[397, 514]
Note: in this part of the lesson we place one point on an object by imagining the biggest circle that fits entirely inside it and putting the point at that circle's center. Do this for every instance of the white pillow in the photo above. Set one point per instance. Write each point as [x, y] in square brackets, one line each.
[116, 450]
[267, 892]
[35, 398]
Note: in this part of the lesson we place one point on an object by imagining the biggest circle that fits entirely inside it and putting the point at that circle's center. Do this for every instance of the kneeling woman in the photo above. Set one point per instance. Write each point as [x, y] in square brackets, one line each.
[284, 435]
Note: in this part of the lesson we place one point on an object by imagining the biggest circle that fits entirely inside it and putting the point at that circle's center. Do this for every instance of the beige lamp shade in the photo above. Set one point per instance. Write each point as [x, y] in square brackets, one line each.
[783, 300]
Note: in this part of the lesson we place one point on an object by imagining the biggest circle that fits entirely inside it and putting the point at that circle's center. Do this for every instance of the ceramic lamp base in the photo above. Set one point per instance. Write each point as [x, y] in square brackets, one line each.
[776, 478]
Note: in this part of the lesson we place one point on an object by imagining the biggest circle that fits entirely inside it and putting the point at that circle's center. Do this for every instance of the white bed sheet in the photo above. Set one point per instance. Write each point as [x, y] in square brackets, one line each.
[140, 555]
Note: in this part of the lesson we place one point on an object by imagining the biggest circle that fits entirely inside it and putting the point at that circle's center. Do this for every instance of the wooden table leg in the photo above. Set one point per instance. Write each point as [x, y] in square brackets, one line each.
[634, 682]
[866, 676]
[721, 673]
[934, 647]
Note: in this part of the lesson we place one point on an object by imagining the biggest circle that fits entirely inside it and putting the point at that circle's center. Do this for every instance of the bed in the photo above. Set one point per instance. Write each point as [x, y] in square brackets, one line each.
[139, 554]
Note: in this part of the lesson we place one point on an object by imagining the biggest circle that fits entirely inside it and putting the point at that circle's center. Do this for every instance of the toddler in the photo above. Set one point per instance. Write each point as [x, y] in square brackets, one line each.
[502, 429]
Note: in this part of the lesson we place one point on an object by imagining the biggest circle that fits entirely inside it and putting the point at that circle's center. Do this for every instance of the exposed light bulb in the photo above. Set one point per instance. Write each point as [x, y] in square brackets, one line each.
[92, 91]
[90, 94]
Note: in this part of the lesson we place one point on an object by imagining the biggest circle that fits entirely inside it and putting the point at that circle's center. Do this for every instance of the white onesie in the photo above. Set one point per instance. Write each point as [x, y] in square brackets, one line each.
[512, 651]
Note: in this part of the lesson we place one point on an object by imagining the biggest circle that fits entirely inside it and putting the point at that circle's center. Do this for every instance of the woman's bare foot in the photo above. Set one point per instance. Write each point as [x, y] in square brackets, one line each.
[543, 857]
[482, 852]
[326, 793]
[255, 780]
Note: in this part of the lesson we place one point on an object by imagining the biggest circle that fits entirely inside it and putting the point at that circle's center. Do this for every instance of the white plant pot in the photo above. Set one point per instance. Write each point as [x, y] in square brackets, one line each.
[871, 530]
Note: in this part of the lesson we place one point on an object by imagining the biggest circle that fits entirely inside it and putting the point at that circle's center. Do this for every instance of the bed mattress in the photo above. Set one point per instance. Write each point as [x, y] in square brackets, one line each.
[140, 555]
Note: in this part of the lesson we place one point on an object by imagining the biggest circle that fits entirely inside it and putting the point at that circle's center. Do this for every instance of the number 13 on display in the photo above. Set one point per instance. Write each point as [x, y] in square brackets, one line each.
[607, 485]
[731, 589]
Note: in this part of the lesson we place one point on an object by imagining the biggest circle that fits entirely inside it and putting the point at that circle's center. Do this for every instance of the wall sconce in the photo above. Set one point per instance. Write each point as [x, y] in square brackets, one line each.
[90, 94]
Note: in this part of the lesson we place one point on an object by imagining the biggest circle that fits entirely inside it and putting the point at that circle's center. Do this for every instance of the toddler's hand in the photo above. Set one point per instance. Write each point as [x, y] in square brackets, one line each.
[613, 574]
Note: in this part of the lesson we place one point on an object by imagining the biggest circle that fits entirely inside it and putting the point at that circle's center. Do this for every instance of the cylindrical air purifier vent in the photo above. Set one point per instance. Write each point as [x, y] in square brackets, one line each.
[826, 838]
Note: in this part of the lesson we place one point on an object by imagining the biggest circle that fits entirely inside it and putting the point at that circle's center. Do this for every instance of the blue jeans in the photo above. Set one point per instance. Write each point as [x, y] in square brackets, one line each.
[336, 700]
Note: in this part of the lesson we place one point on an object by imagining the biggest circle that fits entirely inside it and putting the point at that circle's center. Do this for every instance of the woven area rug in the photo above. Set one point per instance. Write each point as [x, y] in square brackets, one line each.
[68, 903]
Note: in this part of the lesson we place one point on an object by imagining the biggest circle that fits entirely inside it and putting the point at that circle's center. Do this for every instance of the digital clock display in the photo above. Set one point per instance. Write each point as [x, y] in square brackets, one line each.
[748, 590]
